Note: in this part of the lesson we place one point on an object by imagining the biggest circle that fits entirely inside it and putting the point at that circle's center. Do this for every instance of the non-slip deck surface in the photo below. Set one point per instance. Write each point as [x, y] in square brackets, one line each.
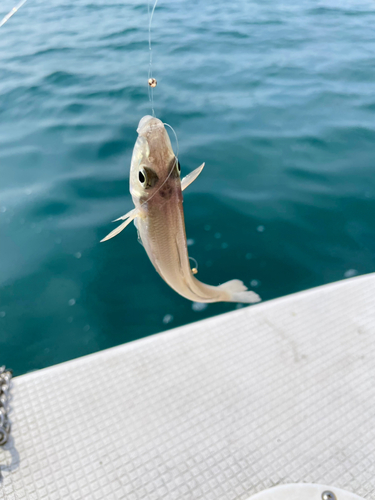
[276, 393]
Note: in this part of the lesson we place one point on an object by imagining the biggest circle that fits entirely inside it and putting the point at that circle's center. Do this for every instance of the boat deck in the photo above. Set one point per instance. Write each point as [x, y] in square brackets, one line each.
[275, 393]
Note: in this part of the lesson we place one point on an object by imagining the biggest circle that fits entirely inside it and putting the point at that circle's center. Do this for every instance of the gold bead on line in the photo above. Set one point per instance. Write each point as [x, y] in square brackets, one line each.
[194, 270]
[152, 82]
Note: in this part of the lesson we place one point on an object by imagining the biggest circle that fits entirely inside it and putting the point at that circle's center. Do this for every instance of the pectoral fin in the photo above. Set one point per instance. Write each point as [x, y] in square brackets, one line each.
[130, 215]
[186, 181]
[128, 218]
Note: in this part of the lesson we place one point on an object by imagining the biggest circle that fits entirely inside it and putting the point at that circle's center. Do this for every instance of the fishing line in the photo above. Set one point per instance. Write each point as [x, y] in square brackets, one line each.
[195, 268]
[151, 97]
[151, 80]
[152, 84]
[13, 11]
[175, 135]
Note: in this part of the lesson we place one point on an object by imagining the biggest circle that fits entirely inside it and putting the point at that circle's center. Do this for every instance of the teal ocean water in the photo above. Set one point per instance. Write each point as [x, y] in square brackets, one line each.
[278, 98]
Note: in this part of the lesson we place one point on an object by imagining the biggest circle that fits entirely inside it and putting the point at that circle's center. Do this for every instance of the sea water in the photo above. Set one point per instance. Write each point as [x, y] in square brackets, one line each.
[277, 97]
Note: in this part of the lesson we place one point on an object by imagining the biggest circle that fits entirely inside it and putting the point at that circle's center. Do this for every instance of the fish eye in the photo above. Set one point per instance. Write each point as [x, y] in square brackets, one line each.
[147, 177]
[141, 177]
[178, 166]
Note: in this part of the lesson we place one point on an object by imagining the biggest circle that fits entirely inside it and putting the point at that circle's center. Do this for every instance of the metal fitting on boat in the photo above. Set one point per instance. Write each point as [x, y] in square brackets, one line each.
[328, 495]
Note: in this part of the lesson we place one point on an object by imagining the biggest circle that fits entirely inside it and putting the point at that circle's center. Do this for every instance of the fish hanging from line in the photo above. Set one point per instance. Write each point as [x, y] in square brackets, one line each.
[156, 190]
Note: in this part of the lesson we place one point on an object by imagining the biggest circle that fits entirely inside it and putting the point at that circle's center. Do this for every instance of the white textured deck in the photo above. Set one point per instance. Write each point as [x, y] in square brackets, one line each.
[276, 393]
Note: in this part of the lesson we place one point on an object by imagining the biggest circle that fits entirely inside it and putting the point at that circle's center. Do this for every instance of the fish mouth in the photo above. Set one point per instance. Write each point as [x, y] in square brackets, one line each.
[148, 121]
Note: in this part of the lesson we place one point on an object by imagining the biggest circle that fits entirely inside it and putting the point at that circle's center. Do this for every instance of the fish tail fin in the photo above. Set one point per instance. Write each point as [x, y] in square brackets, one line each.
[238, 292]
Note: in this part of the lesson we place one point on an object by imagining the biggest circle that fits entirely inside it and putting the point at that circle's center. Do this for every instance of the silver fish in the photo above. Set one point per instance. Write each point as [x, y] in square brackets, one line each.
[156, 190]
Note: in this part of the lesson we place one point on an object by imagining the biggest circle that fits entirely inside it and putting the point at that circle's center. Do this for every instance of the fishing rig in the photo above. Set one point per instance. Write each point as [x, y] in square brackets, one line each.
[152, 82]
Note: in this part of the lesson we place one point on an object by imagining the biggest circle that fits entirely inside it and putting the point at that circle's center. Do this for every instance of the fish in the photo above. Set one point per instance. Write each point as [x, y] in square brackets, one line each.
[156, 189]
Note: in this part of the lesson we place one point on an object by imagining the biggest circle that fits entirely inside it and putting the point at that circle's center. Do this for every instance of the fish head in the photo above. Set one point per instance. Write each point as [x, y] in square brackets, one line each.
[153, 161]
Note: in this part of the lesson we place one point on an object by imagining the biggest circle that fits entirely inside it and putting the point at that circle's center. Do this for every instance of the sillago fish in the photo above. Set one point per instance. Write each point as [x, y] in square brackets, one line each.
[156, 190]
